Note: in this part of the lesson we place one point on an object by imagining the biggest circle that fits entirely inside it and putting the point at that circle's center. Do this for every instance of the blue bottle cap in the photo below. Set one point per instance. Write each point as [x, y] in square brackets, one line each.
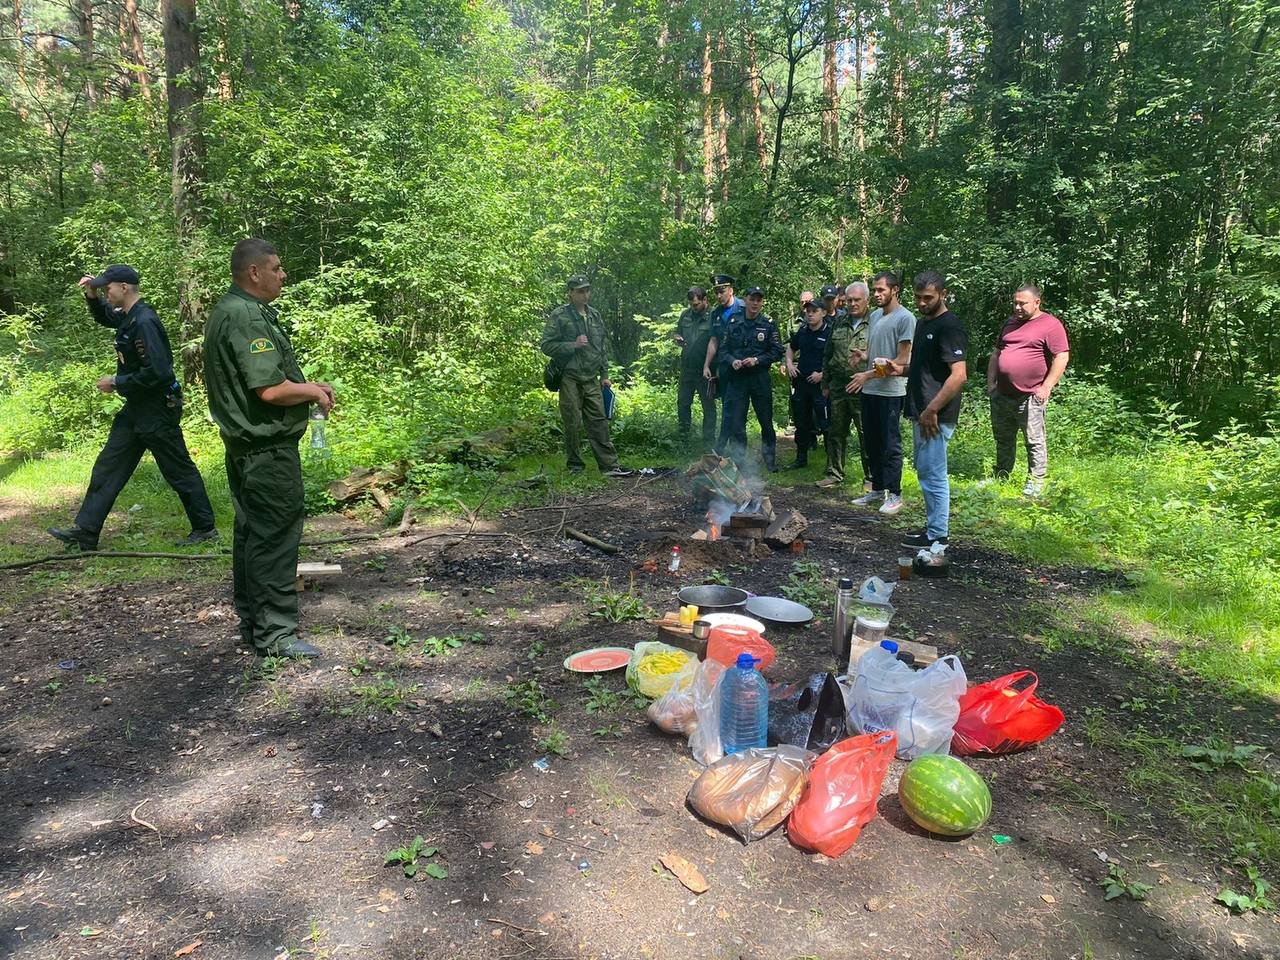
[889, 645]
[747, 662]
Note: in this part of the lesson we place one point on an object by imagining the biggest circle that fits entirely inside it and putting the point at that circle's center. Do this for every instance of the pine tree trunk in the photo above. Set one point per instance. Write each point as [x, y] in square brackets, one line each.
[84, 17]
[1004, 68]
[708, 130]
[860, 131]
[20, 56]
[185, 91]
[722, 140]
[830, 134]
[139, 56]
[757, 111]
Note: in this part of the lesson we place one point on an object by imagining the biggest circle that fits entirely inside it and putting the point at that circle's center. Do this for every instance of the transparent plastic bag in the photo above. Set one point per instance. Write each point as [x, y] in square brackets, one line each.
[654, 686]
[673, 712]
[920, 706]
[704, 741]
[752, 791]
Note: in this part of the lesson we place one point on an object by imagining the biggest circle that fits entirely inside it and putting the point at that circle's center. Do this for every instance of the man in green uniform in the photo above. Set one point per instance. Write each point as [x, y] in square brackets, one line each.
[693, 333]
[844, 358]
[259, 399]
[574, 338]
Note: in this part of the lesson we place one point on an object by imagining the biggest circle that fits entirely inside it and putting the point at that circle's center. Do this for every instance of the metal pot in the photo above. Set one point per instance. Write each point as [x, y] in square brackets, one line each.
[701, 630]
[711, 597]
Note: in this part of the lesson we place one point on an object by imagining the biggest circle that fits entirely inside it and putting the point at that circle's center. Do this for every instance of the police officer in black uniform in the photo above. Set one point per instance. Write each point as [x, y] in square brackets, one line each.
[749, 348]
[151, 416]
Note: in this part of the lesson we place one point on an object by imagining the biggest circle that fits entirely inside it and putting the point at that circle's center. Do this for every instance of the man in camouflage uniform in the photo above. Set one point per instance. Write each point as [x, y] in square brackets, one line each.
[693, 334]
[574, 337]
[844, 358]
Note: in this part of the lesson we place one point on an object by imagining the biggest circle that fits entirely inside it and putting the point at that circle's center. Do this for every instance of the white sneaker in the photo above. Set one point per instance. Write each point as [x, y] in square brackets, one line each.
[867, 499]
[892, 503]
[1033, 489]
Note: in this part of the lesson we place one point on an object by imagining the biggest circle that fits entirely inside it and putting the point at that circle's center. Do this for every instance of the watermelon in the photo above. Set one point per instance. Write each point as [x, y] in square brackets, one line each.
[944, 796]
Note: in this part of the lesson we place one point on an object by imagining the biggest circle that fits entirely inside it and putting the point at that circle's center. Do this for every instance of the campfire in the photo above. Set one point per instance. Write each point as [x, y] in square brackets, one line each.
[737, 508]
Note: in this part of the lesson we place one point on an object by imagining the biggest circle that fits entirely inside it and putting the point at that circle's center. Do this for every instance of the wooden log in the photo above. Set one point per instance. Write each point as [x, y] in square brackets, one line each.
[785, 529]
[591, 541]
[381, 498]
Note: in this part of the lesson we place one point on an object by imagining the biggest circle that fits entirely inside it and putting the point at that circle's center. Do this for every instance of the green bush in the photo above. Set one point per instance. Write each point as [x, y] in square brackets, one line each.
[52, 409]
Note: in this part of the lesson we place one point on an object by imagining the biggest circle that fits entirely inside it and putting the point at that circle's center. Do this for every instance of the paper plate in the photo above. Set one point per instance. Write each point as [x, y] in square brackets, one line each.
[598, 660]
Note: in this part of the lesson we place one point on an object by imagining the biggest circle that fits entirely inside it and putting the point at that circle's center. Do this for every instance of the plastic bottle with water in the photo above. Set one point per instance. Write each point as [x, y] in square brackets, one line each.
[744, 706]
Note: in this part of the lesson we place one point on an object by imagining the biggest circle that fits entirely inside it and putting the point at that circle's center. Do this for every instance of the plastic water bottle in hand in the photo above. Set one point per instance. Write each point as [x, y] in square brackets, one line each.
[744, 706]
[317, 429]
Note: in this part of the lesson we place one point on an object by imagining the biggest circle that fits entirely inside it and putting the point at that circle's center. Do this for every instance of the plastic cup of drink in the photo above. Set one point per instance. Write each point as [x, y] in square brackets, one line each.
[904, 567]
[882, 366]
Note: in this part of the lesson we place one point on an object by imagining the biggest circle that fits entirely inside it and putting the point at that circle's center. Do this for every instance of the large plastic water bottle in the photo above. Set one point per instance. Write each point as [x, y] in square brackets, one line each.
[744, 706]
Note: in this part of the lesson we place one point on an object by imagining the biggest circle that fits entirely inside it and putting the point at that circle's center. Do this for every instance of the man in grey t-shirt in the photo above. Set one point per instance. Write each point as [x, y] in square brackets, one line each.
[892, 328]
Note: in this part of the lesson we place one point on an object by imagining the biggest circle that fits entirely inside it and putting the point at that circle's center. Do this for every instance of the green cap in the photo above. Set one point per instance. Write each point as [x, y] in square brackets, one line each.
[578, 282]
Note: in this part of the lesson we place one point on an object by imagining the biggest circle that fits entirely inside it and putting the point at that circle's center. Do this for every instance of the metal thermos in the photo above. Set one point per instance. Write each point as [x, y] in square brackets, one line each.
[842, 623]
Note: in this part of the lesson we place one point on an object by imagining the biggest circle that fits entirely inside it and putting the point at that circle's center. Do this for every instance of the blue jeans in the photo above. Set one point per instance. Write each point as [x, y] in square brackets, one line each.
[930, 459]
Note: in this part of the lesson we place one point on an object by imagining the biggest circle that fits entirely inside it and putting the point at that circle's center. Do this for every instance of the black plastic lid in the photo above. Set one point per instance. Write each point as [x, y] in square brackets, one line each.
[846, 583]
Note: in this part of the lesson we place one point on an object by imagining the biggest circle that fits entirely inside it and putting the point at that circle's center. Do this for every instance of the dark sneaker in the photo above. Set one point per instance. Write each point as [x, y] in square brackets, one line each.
[197, 536]
[575, 468]
[620, 471]
[73, 536]
[922, 541]
[300, 650]
[798, 465]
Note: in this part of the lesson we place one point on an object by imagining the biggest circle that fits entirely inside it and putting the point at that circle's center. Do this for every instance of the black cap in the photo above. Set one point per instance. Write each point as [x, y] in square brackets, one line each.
[814, 305]
[754, 292]
[721, 280]
[117, 273]
[578, 282]
[830, 290]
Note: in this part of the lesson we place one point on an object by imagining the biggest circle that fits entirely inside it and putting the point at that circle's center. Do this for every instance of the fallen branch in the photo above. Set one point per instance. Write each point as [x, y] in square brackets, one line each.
[87, 554]
[406, 520]
[591, 541]
[505, 923]
[133, 815]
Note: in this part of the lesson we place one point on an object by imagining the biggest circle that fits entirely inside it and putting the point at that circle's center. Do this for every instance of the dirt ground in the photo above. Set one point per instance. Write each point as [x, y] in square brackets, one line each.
[168, 791]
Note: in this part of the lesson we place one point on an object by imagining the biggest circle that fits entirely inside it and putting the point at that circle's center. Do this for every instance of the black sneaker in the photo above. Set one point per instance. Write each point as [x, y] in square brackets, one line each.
[798, 465]
[73, 536]
[620, 471]
[197, 536]
[922, 541]
[575, 469]
[300, 650]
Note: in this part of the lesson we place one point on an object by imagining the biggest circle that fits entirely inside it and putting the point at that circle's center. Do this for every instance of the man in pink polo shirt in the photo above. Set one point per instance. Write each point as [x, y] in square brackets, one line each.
[1030, 356]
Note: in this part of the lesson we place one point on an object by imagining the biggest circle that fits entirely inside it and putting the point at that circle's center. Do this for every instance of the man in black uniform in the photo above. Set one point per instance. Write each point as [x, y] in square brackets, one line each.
[750, 346]
[805, 371]
[151, 417]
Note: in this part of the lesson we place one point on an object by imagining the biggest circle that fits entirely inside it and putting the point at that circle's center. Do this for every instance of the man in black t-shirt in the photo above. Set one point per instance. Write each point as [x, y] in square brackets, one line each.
[935, 377]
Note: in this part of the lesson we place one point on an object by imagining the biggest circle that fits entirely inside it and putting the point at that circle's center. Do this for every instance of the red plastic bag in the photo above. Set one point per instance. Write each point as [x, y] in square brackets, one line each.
[728, 640]
[997, 718]
[844, 786]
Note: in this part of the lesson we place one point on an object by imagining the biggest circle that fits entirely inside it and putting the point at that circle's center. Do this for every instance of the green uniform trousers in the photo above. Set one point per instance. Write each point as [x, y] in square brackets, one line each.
[266, 491]
[844, 414]
[582, 404]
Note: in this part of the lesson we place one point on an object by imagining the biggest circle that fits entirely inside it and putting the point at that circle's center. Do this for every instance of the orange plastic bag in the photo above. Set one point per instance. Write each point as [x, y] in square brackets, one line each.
[727, 641]
[844, 786]
[996, 718]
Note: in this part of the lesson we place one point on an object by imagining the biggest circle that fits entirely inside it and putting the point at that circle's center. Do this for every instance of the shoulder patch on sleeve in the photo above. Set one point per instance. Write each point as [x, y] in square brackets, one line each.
[261, 345]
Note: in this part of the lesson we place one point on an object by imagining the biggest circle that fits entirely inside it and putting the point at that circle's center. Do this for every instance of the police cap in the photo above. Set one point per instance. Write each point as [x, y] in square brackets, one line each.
[578, 282]
[754, 292]
[117, 273]
[830, 291]
[721, 280]
[813, 305]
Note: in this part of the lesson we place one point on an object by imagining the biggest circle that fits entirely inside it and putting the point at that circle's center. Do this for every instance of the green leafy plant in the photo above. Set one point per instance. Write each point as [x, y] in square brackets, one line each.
[398, 637]
[1217, 754]
[377, 564]
[610, 731]
[531, 700]
[1117, 884]
[408, 857]
[614, 606]
[436, 646]
[600, 699]
[94, 678]
[1256, 902]
[557, 742]
[386, 694]
[807, 584]
[537, 649]
[52, 687]
[360, 665]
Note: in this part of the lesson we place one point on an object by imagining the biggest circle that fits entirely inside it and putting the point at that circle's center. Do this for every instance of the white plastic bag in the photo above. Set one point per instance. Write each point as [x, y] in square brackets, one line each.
[704, 742]
[920, 706]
